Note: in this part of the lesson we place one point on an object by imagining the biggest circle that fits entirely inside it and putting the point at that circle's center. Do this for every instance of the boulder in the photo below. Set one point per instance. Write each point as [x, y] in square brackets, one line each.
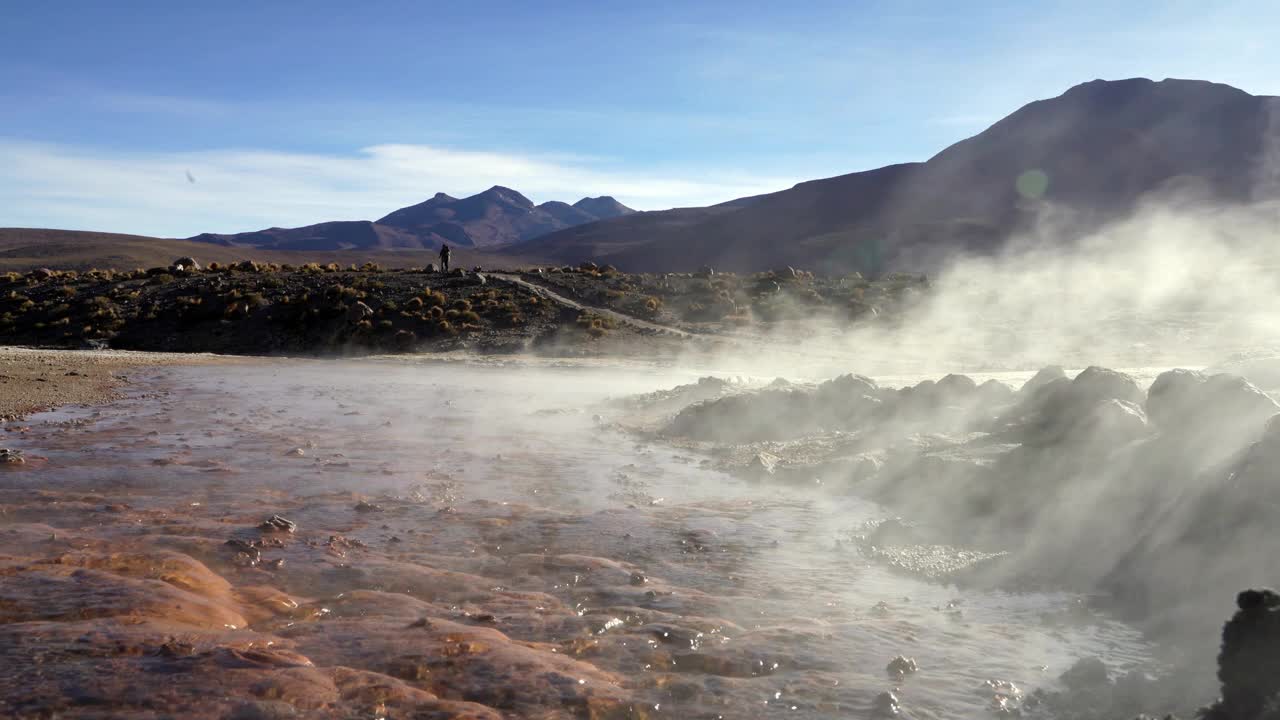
[994, 393]
[1042, 378]
[1231, 396]
[185, 265]
[359, 311]
[849, 385]
[1172, 396]
[955, 390]
[1097, 383]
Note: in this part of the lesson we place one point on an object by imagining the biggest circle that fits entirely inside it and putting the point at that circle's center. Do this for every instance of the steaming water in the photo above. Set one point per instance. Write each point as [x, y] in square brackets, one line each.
[506, 437]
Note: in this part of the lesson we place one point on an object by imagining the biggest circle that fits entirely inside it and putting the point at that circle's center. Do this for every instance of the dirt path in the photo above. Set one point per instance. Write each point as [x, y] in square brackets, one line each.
[631, 320]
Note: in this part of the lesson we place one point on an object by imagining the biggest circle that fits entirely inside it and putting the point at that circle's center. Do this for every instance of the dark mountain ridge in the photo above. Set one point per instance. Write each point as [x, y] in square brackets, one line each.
[495, 218]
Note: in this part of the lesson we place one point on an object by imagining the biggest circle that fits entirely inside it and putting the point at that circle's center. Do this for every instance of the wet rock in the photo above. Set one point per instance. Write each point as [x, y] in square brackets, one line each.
[1233, 397]
[638, 579]
[885, 705]
[1085, 674]
[1043, 377]
[1099, 406]
[242, 547]
[365, 506]
[276, 523]
[1096, 384]
[848, 386]
[296, 452]
[762, 465]
[1249, 661]
[11, 457]
[902, 665]
[1173, 395]
[1118, 420]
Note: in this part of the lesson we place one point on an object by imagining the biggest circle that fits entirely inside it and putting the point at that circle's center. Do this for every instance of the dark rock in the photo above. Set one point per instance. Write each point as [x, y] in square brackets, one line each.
[1249, 661]
[185, 265]
[901, 665]
[1087, 673]
[885, 705]
[276, 523]
[359, 311]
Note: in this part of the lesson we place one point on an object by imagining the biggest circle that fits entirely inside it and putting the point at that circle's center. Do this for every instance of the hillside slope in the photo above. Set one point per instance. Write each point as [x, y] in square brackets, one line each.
[1091, 153]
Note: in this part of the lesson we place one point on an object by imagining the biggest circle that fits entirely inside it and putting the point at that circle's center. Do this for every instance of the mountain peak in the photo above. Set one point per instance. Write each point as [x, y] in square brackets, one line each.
[498, 193]
[603, 207]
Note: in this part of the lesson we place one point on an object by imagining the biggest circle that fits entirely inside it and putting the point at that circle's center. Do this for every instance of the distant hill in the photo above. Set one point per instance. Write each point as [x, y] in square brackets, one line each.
[494, 218]
[1092, 152]
[29, 248]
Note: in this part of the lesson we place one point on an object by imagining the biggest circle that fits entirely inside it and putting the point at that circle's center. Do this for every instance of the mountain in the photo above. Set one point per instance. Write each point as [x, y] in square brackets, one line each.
[1092, 154]
[338, 235]
[603, 207]
[494, 218]
[24, 249]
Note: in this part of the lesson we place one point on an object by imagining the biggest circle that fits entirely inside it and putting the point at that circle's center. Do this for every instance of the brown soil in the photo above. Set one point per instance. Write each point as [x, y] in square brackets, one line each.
[34, 380]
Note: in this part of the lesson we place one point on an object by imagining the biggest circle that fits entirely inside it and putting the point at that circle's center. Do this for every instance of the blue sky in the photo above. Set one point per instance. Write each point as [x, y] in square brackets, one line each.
[287, 113]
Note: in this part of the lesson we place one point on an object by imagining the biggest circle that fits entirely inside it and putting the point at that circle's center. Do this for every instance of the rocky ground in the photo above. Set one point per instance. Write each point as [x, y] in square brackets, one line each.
[708, 301]
[252, 308]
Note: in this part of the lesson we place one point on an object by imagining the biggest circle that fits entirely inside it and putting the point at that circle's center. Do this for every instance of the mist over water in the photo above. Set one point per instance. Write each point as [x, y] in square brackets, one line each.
[763, 607]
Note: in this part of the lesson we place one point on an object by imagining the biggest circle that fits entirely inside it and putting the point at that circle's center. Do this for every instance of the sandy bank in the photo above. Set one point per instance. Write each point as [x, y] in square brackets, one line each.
[34, 380]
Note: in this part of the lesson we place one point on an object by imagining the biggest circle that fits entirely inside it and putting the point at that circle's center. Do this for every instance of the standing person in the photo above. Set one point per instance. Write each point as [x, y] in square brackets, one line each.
[444, 258]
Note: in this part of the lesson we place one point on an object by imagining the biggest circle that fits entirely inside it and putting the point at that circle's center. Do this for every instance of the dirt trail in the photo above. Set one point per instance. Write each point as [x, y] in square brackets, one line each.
[631, 320]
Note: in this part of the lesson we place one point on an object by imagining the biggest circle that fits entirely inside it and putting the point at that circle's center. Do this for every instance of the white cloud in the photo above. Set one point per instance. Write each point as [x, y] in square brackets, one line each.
[48, 185]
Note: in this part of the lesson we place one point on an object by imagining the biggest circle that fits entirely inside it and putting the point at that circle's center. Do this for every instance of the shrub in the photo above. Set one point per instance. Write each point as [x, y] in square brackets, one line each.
[470, 316]
[434, 298]
[461, 305]
[415, 303]
[435, 312]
